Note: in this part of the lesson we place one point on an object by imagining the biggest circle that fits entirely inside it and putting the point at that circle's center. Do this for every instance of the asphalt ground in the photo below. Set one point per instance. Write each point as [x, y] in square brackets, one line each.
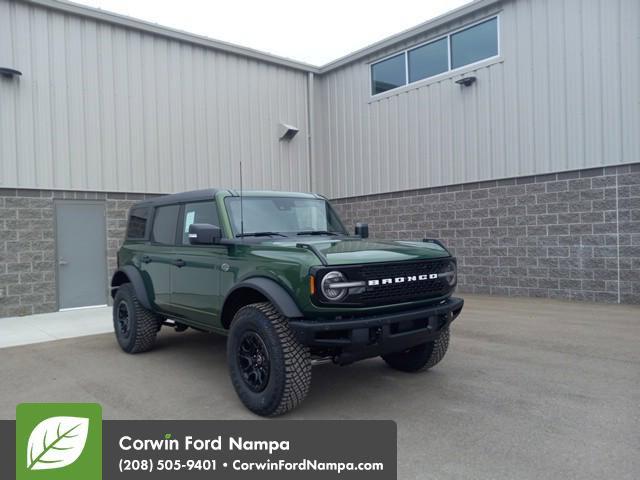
[530, 389]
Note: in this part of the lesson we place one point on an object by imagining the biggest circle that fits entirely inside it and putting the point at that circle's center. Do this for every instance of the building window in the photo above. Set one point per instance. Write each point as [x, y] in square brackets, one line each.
[428, 60]
[388, 74]
[457, 49]
[474, 43]
[201, 212]
[165, 222]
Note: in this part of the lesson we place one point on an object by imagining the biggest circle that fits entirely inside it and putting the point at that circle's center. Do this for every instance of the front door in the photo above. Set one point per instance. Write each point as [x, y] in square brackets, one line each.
[195, 278]
[81, 254]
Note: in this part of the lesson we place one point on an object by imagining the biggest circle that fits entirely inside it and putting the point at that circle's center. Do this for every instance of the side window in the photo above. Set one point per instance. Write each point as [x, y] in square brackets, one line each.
[137, 223]
[201, 212]
[165, 222]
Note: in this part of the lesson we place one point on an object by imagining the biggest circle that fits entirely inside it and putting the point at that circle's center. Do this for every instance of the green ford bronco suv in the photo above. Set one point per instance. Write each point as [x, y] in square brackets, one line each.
[279, 275]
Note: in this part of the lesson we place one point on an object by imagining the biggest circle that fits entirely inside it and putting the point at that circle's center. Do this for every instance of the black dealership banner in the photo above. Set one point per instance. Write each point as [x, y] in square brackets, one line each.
[227, 449]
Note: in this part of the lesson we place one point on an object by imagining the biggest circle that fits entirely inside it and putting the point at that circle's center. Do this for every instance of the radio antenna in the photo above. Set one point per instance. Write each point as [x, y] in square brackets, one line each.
[241, 209]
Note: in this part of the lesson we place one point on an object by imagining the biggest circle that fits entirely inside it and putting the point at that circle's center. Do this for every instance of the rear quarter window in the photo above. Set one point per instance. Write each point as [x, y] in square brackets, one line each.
[165, 222]
[137, 226]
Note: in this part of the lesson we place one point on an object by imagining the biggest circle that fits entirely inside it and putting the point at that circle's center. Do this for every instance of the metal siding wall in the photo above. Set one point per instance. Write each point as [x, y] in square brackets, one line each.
[562, 97]
[103, 107]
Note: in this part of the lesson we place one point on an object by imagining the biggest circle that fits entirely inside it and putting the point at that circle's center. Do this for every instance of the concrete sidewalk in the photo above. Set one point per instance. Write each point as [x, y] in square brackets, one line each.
[45, 327]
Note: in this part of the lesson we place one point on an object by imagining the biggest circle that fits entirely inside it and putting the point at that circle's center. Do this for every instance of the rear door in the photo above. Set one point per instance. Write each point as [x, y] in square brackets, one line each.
[195, 278]
[158, 261]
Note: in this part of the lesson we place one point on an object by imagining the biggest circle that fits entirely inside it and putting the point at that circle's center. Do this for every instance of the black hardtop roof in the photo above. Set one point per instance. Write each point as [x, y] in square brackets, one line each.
[192, 196]
[210, 193]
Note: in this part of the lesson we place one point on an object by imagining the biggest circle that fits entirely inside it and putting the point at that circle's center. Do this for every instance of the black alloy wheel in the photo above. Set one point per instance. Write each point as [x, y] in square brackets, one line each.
[123, 319]
[254, 361]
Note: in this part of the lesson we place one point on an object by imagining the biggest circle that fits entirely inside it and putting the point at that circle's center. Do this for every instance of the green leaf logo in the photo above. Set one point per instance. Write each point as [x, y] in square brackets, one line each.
[57, 442]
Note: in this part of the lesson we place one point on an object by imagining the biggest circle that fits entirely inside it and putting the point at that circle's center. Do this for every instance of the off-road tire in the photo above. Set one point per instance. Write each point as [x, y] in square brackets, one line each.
[289, 362]
[420, 357]
[143, 324]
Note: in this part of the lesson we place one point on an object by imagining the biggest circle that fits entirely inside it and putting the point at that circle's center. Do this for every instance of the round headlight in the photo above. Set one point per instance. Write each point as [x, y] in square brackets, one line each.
[450, 273]
[333, 294]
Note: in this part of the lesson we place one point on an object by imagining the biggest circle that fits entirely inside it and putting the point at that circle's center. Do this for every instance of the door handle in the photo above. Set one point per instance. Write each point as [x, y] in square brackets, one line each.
[145, 259]
[179, 263]
[62, 261]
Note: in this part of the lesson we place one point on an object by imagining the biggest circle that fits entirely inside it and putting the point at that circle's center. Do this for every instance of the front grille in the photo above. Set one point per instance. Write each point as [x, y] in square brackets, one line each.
[406, 291]
[390, 293]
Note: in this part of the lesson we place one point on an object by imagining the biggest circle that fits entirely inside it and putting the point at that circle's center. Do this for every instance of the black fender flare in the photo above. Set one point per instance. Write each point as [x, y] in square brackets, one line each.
[274, 292]
[135, 278]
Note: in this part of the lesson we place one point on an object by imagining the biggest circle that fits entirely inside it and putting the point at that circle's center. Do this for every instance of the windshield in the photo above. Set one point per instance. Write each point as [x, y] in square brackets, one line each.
[284, 215]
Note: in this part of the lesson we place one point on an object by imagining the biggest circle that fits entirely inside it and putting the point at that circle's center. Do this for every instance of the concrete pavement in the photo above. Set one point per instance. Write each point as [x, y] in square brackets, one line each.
[530, 389]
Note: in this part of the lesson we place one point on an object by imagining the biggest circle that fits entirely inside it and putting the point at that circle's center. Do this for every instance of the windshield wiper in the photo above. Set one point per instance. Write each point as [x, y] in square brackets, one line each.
[260, 234]
[317, 232]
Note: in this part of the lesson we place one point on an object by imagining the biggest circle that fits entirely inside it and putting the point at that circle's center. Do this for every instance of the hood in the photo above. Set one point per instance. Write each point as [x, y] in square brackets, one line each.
[354, 251]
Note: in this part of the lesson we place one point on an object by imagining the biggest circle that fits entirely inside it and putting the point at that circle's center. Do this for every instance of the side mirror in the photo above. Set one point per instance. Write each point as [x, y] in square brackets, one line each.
[362, 230]
[204, 234]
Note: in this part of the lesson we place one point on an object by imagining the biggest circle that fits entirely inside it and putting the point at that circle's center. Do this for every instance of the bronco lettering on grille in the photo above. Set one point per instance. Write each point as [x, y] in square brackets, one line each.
[410, 278]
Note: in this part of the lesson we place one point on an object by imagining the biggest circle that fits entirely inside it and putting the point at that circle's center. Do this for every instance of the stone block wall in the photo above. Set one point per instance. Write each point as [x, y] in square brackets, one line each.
[27, 253]
[571, 235]
[28, 246]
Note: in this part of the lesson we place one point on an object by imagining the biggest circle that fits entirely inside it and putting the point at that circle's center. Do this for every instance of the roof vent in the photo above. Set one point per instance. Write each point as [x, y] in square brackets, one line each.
[287, 132]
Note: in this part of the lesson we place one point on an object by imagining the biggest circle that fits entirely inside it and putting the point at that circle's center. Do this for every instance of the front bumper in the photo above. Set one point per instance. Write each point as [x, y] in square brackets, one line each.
[364, 337]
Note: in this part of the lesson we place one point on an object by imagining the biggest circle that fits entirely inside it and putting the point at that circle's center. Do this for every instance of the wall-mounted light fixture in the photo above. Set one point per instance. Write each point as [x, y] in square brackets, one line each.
[466, 81]
[287, 132]
[7, 72]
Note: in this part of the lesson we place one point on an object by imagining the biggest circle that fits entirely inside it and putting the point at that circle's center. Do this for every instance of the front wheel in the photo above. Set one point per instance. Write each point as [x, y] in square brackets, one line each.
[270, 370]
[421, 356]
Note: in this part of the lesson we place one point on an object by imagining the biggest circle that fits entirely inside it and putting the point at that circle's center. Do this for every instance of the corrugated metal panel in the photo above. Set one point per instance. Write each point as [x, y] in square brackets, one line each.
[562, 96]
[106, 107]
[109, 108]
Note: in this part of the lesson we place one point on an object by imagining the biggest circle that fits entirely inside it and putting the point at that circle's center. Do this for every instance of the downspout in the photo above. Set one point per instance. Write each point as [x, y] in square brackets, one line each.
[310, 127]
[618, 235]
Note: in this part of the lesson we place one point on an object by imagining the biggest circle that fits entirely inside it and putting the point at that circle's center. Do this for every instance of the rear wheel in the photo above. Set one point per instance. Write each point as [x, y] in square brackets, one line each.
[136, 327]
[420, 357]
[270, 370]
